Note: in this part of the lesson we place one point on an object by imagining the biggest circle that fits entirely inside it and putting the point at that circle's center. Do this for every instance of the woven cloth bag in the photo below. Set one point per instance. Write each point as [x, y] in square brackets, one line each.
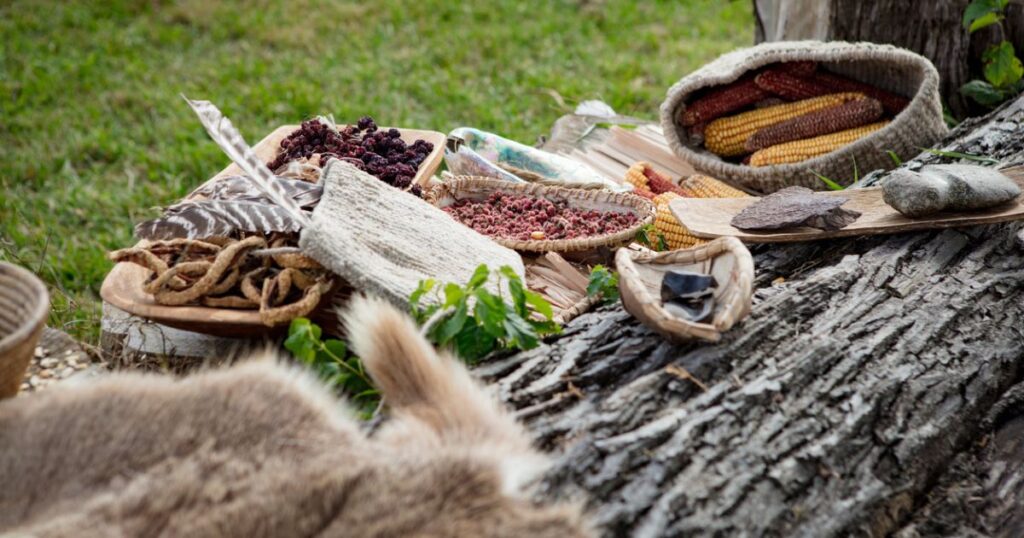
[890, 68]
[384, 241]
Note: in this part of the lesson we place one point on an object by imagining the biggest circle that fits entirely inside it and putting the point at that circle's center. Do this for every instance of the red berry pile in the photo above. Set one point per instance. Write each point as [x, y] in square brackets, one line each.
[525, 217]
[380, 153]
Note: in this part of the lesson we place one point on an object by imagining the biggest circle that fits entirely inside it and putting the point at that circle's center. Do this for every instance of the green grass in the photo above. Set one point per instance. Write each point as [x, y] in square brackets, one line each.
[94, 133]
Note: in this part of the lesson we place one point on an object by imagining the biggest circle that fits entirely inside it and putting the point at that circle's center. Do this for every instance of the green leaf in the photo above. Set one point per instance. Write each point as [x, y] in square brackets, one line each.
[982, 9]
[489, 312]
[983, 93]
[515, 288]
[424, 287]
[604, 283]
[987, 19]
[1002, 67]
[336, 348]
[478, 278]
[959, 155]
[540, 304]
[832, 185]
[453, 325]
[519, 333]
[453, 294]
[474, 343]
[895, 158]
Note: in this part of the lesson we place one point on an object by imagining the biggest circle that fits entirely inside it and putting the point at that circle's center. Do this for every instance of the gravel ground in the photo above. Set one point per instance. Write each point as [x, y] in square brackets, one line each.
[59, 357]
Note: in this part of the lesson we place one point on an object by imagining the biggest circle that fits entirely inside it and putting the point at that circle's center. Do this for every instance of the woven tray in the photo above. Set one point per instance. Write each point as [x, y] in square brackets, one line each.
[890, 68]
[476, 188]
[641, 271]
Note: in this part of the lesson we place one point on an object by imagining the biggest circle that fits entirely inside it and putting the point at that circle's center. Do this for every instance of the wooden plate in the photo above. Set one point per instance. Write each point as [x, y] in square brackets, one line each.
[710, 217]
[123, 285]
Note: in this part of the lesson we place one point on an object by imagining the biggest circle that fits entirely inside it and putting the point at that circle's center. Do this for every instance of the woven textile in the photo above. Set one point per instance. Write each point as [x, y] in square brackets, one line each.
[384, 241]
[890, 68]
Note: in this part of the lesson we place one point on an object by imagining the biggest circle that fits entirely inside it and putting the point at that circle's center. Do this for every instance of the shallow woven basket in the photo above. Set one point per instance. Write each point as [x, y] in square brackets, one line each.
[24, 305]
[890, 68]
[640, 274]
[477, 188]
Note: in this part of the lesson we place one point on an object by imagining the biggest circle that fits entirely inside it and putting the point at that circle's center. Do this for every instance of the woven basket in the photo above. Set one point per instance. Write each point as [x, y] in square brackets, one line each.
[476, 188]
[640, 274]
[890, 68]
[24, 306]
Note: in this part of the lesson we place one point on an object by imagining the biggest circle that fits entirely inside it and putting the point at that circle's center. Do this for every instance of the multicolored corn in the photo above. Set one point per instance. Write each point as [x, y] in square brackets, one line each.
[794, 87]
[701, 186]
[820, 122]
[801, 150]
[727, 137]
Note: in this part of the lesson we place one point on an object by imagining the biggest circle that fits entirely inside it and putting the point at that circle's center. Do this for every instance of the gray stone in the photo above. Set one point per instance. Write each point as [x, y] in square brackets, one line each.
[941, 187]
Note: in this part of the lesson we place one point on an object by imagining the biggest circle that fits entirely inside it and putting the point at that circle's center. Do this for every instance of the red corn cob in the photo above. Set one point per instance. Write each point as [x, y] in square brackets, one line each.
[660, 184]
[892, 103]
[823, 83]
[820, 122]
[803, 68]
[721, 101]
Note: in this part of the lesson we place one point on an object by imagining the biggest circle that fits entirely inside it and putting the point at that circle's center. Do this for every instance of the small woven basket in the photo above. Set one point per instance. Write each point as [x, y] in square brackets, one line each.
[477, 188]
[640, 274]
[24, 306]
[890, 68]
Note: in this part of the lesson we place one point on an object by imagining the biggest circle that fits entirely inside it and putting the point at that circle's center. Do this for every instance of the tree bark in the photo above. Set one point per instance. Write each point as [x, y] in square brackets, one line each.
[865, 366]
[933, 29]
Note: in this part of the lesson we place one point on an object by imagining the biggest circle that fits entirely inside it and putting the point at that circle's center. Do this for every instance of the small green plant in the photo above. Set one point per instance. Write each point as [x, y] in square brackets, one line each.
[651, 238]
[474, 322]
[834, 185]
[603, 283]
[1002, 69]
[331, 361]
[895, 158]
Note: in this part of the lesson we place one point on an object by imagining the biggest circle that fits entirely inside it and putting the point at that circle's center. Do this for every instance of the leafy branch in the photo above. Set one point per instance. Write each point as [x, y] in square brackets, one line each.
[474, 322]
[332, 362]
[603, 283]
[1002, 69]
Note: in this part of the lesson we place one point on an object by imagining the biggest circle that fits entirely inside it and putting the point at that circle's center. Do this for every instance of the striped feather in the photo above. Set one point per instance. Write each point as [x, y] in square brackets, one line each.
[243, 189]
[230, 140]
[216, 218]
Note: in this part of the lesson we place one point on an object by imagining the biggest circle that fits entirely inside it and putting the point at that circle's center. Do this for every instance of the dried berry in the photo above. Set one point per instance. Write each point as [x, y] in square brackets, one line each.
[511, 216]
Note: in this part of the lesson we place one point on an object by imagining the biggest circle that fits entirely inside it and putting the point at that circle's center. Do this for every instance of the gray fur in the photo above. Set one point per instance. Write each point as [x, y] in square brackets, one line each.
[262, 449]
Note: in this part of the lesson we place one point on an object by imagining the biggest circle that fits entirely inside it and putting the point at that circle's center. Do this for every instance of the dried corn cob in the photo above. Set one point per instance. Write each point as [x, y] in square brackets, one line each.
[658, 183]
[790, 86]
[820, 122]
[721, 101]
[801, 150]
[727, 136]
[701, 186]
[801, 68]
[676, 235]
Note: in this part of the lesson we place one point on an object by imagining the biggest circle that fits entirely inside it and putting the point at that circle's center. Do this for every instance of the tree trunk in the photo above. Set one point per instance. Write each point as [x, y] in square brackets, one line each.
[933, 29]
[865, 367]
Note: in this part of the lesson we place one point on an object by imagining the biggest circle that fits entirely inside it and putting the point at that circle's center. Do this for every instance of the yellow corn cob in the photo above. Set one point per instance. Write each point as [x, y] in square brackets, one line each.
[635, 176]
[801, 150]
[701, 186]
[676, 235]
[728, 136]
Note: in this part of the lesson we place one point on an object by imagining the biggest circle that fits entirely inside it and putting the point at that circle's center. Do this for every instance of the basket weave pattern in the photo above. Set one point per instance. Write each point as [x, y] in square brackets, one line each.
[24, 305]
[477, 188]
[890, 68]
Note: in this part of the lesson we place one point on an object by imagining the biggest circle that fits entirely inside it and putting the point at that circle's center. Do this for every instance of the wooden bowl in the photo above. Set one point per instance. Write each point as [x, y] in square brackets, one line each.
[478, 188]
[123, 285]
[640, 274]
[24, 306]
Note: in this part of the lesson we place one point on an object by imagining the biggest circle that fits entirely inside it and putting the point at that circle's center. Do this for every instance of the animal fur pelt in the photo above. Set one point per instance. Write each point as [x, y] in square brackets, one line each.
[262, 449]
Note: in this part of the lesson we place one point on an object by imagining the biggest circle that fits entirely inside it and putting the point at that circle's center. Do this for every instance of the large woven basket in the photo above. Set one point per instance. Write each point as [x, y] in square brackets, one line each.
[477, 188]
[890, 68]
[24, 305]
[641, 271]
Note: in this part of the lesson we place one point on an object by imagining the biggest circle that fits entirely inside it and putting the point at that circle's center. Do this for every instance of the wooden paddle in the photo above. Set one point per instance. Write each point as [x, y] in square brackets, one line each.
[709, 218]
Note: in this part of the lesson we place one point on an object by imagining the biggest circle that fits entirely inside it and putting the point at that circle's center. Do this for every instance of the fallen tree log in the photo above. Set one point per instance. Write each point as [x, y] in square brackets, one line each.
[865, 367]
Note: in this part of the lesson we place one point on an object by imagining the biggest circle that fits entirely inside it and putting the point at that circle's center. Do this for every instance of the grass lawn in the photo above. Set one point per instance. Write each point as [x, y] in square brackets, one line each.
[95, 135]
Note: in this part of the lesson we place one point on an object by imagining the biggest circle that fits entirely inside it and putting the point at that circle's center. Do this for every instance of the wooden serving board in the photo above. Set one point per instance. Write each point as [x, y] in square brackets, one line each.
[709, 218]
[123, 285]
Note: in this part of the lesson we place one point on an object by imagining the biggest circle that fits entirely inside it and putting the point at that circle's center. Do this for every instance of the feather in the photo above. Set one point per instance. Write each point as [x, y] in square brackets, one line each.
[230, 140]
[243, 189]
[215, 218]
